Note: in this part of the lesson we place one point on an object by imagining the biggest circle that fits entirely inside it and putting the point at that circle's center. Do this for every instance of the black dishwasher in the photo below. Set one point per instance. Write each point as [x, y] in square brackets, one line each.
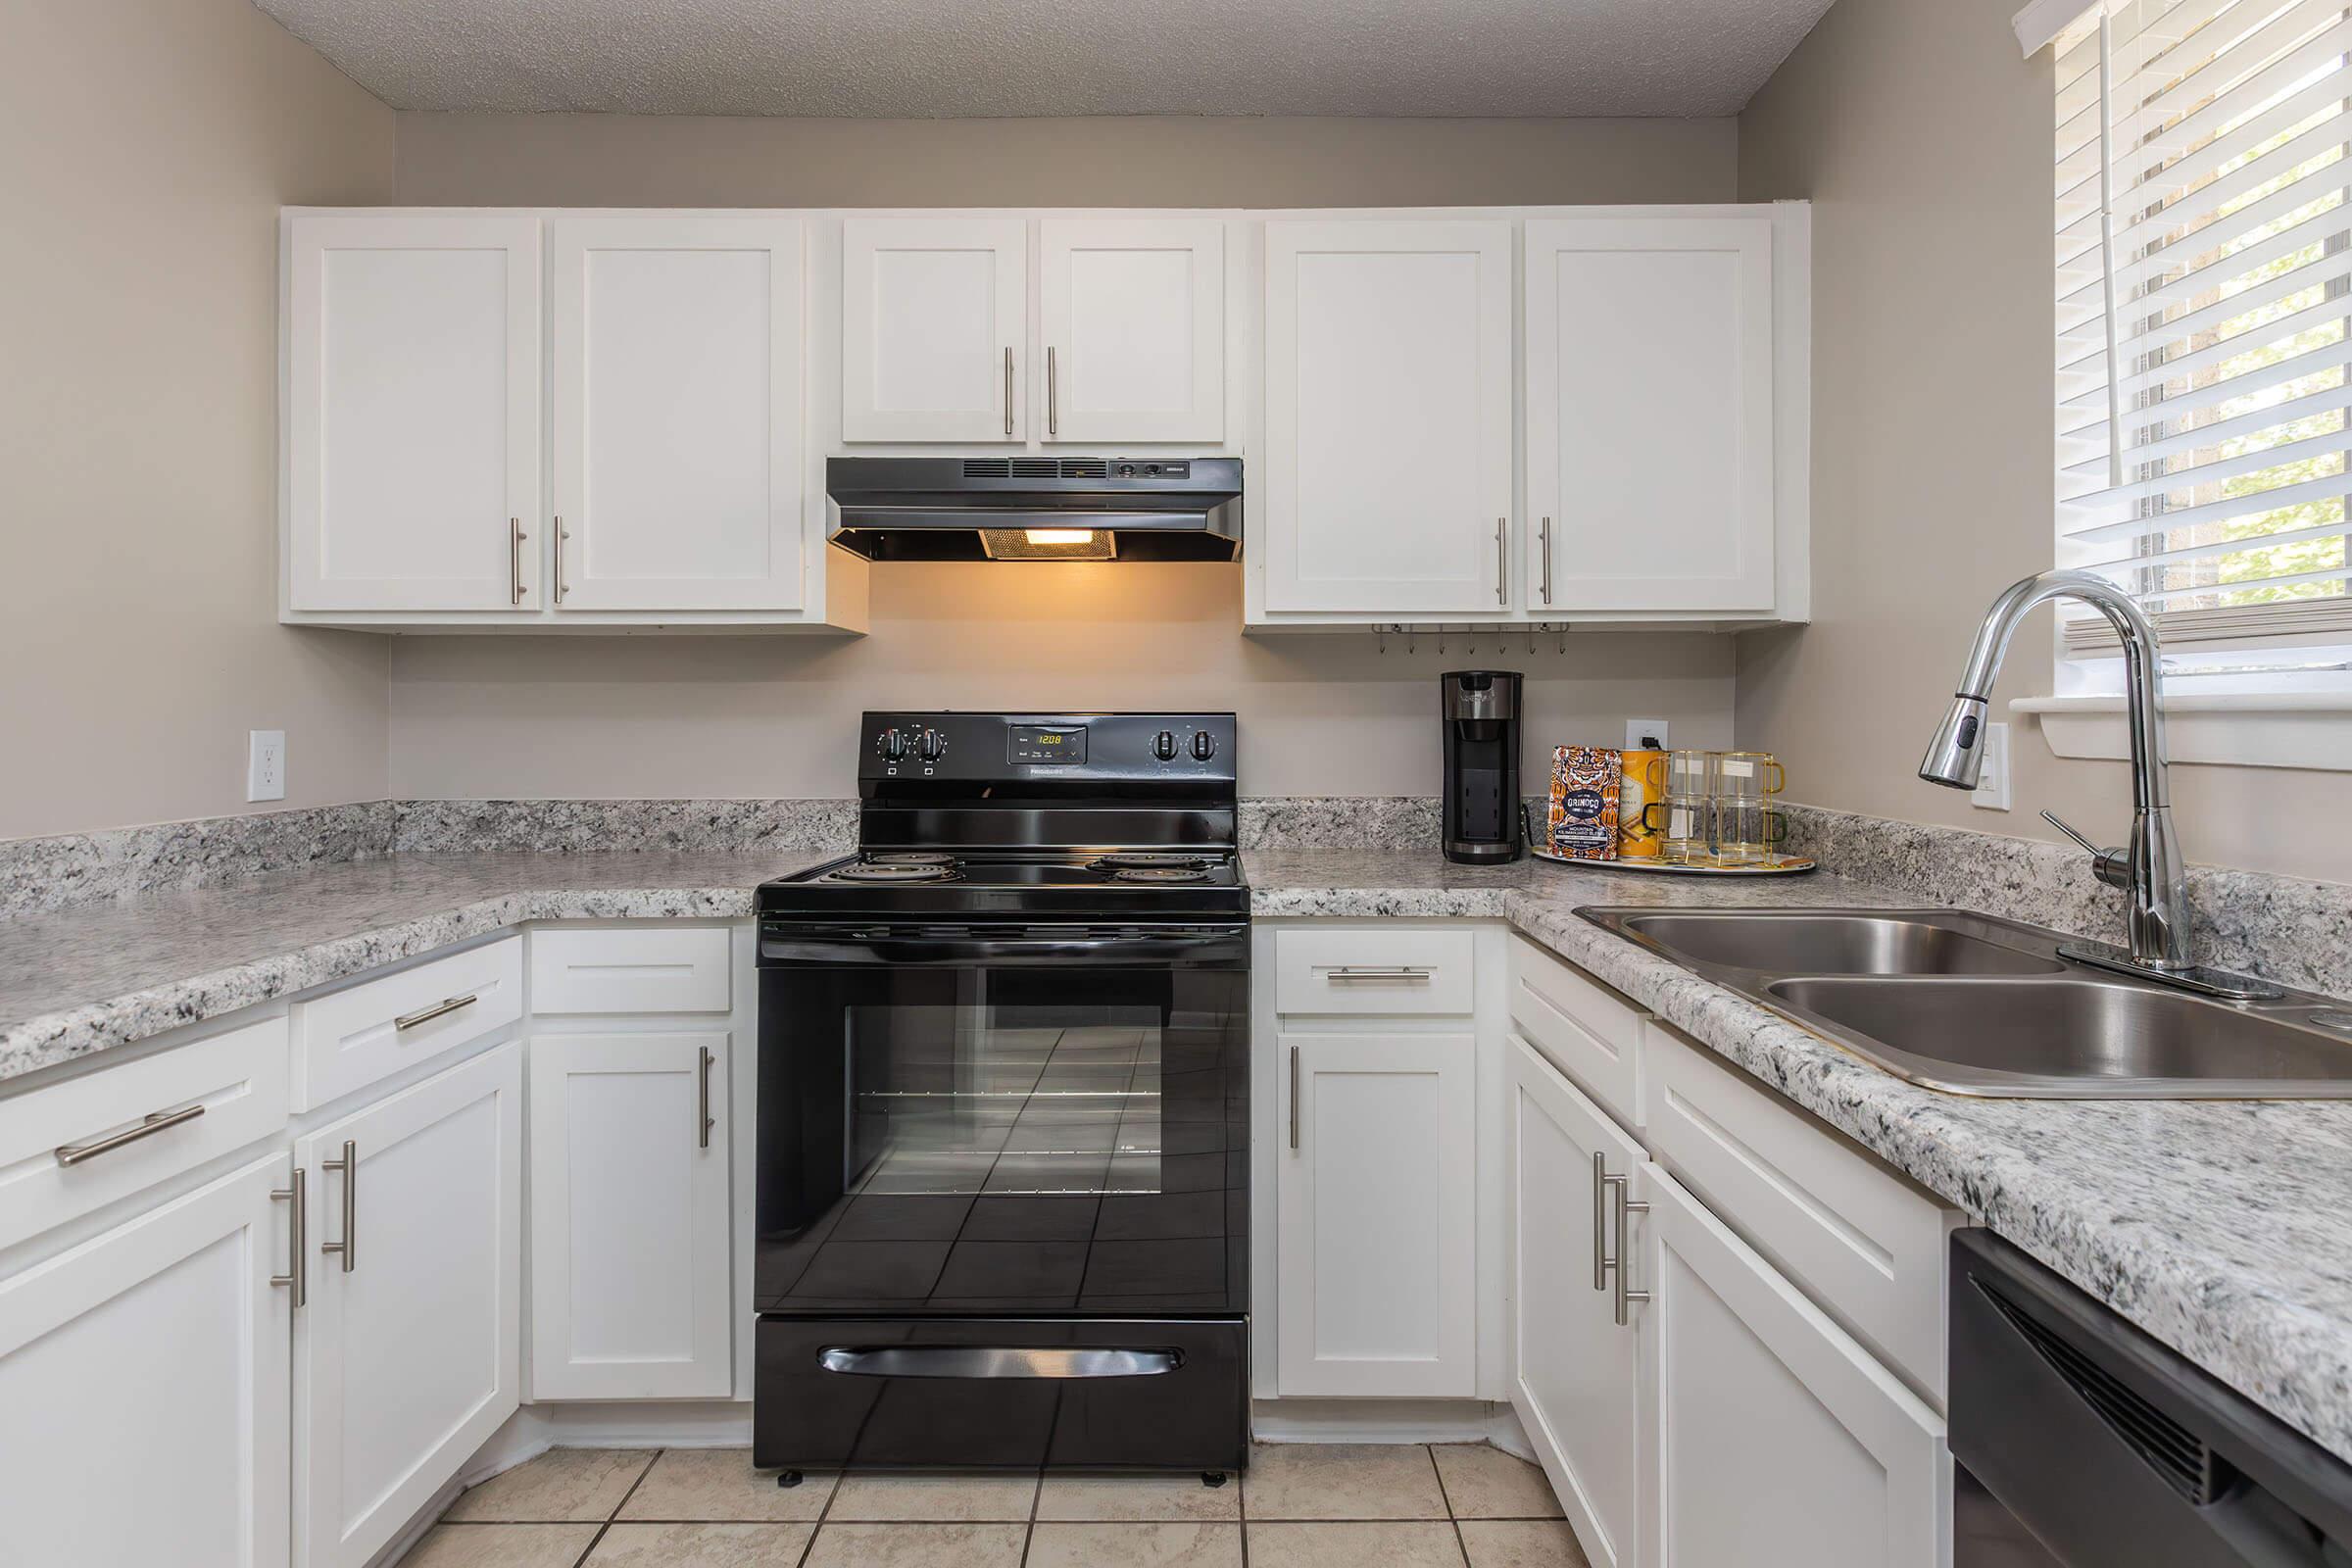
[2081, 1442]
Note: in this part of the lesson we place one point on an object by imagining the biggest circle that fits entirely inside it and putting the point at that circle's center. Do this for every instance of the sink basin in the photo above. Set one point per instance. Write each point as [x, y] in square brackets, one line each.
[2074, 1034]
[1791, 943]
[1978, 1005]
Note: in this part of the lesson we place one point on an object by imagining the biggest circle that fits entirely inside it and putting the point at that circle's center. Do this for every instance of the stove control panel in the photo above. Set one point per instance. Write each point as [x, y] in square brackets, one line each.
[1044, 749]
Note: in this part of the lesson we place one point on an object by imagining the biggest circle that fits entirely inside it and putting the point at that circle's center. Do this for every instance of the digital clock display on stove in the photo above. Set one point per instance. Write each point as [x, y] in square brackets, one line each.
[1034, 743]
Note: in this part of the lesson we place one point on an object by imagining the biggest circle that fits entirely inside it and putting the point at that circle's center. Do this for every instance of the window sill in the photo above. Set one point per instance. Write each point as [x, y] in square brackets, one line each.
[2244, 729]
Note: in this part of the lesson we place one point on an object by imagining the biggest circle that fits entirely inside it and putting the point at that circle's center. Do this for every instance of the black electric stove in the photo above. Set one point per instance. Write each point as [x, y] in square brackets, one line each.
[1004, 1105]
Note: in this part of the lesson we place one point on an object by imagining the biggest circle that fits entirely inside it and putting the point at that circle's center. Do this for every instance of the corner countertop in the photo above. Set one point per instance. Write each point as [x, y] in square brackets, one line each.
[2222, 1228]
[86, 979]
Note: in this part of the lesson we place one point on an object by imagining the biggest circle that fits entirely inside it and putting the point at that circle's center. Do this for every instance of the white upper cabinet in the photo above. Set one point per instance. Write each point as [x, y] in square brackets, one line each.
[1133, 320]
[411, 343]
[677, 402]
[934, 328]
[1386, 477]
[1650, 430]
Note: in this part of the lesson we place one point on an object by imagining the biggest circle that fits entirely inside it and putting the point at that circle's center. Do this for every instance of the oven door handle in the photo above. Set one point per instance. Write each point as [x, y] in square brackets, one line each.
[995, 1362]
[1194, 948]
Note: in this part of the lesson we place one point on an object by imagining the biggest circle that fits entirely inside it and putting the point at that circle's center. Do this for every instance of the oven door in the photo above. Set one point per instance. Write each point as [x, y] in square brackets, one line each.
[1032, 1122]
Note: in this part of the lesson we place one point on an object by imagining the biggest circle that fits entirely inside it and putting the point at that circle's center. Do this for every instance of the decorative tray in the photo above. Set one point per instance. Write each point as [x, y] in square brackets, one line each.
[1771, 866]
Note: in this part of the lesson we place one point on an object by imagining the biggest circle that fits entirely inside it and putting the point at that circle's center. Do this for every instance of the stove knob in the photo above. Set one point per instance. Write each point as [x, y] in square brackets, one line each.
[1205, 744]
[1164, 746]
[934, 742]
[894, 745]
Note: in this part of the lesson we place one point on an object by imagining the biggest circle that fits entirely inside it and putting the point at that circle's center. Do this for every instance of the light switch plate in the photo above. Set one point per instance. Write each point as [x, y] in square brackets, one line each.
[1639, 729]
[1991, 793]
[265, 765]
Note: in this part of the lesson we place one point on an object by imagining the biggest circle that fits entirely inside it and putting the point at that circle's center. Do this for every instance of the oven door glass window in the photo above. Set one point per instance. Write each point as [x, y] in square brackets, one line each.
[1009, 1138]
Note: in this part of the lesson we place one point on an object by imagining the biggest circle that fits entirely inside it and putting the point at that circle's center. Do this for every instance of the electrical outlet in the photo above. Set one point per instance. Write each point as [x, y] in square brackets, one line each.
[1640, 733]
[265, 765]
[1991, 793]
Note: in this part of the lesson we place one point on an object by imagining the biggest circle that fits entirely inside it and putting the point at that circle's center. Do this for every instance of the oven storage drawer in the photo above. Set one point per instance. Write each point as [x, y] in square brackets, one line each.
[1005, 1393]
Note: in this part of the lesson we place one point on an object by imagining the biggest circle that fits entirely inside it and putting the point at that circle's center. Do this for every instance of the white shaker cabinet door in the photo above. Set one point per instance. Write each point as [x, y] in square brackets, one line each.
[1377, 1214]
[629, 1219]
[407, 1355]
[1387, 479]
[1134, 326]
[1649, 414]
[934, 328]
[1575, 1369]
[411, 415]
[677, 387]
[1777, 1440]
[143, 1388]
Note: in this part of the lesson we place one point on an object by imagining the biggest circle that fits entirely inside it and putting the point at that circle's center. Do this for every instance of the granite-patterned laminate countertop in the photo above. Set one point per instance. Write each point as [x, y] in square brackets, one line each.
[2225, 1228]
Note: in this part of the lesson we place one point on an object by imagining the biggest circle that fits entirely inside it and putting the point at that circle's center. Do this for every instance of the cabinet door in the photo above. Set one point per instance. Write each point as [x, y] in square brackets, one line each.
[1649, 414]
[1377, 1216]
[412, 344]
[1133, 328]
[677, 412]
[1575, 1371]
[1777, 1441]
[406, 1357]
[1388, 466]
[630, 1267]
[143, 1388]
[934, 326]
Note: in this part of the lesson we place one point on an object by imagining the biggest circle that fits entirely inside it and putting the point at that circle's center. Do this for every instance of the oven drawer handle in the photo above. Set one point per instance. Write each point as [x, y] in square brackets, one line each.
[1409, 972]
[995, 1362]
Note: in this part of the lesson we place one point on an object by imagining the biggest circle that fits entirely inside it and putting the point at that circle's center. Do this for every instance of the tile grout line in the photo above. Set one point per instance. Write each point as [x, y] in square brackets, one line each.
[1445, 1496]
[808, 1548]
[598, 1538]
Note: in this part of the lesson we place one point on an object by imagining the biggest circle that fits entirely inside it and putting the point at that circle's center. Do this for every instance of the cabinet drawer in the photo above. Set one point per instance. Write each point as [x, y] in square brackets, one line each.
[1588, 1032]
[352, 1037]
[203, 1099]
[637, 970]
[1863, 1242]
[1376, 971]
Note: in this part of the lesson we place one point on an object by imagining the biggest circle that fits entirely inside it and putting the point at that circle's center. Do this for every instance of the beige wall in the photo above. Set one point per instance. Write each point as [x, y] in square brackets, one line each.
[1923, 142]
[750, 718]
[739, 716]
[685, 161]
[145, 146]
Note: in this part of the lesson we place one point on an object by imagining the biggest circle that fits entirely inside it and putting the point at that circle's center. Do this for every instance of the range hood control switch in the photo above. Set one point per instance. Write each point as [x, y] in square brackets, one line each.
[1164, 746]
[1205, 744]
[894, 746]
[933, 745]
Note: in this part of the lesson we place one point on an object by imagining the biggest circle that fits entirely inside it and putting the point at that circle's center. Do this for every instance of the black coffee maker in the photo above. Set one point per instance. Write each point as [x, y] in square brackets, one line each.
[1482, 824]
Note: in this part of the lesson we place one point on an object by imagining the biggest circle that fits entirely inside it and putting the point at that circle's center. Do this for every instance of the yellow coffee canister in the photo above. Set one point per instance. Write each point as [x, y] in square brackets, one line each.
[1644, 782]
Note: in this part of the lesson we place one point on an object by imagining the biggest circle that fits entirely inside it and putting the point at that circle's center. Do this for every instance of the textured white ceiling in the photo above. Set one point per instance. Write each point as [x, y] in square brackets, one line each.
[986, 58]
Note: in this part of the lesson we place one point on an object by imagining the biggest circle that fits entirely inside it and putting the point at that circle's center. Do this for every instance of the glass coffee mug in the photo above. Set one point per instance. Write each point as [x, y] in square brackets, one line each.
[1683, 825]
[1749, 777]
[1746, 830]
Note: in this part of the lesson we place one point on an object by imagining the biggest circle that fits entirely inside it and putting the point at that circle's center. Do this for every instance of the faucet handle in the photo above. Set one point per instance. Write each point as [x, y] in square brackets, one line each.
[2110, 866]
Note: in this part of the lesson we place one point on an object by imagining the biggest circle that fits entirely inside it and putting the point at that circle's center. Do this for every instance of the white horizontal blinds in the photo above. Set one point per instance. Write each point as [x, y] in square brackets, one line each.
[2204, 281]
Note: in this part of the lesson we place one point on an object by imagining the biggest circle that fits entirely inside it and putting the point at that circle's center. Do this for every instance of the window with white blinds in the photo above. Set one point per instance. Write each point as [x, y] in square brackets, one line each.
[2204, 281]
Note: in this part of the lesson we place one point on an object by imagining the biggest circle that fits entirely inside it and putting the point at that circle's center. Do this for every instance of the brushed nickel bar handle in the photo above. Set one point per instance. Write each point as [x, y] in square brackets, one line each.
[296, 1277]
[1293, 1097]
[156, 1121]
[708, 1120]
[1624, 1205]
[1378, 971]
[1544, 534]
[349, 1165]
[1009, 389]
[515, 538]
[1502, 561]
[562, 533]
[1052, 394]
[1601, 1220]
[447, 1005]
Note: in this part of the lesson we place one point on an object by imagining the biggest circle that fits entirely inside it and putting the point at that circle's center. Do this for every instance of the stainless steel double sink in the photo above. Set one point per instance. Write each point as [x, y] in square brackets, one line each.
[1976, 1005]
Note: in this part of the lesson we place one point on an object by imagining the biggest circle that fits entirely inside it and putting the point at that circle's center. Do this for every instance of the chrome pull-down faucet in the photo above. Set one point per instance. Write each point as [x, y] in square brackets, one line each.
[2149, 868]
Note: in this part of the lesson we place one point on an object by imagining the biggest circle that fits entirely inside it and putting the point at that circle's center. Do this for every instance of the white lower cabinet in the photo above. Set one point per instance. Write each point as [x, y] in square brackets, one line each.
[630, 1284]
[406, 1354]
[1378, 1215]
[154, 1357]
[1773, 1439]
[1576, 1371]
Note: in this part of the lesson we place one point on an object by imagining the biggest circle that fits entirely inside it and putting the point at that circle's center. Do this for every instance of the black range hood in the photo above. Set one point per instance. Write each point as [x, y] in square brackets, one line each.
[1037, 508]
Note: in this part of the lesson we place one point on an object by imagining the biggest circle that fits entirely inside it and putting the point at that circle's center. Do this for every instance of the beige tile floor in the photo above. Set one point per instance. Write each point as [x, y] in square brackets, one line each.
[1299, 1506]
